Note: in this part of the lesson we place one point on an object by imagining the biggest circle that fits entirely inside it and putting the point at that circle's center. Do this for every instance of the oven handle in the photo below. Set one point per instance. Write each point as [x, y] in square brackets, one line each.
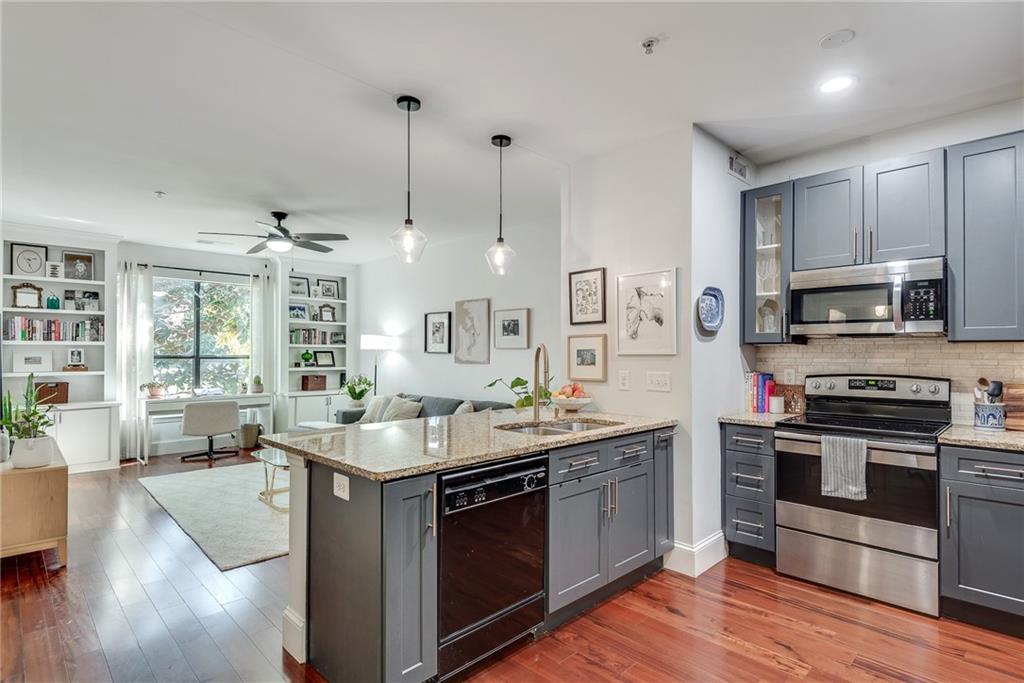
[877, 456]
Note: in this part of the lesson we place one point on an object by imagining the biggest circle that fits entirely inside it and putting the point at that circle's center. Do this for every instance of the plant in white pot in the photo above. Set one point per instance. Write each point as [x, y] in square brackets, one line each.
[26, 424]
[257, 385]
[155, 389]
[356, 388]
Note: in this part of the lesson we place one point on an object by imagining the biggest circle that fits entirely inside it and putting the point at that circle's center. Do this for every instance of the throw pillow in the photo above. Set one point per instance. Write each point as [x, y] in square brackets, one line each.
[375, 409]
[464, 407]
[401, 409]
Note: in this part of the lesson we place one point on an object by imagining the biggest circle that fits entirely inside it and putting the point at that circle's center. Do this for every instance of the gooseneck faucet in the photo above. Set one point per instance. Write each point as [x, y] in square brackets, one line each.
[536, 379]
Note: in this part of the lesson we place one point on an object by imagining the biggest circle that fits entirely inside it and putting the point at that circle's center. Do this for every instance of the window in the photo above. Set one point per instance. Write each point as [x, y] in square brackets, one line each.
[200, 334]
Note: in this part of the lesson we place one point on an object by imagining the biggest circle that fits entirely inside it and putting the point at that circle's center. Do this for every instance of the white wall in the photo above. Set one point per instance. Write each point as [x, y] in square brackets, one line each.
[394, 298]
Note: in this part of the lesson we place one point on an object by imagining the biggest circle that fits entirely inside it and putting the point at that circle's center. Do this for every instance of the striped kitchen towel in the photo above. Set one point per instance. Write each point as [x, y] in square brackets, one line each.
[843, 467]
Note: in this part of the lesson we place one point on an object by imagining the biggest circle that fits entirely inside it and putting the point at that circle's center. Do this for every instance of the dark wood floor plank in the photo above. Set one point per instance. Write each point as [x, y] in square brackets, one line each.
[88, 667]
[11, 655]
[44, 657]
[238, 648]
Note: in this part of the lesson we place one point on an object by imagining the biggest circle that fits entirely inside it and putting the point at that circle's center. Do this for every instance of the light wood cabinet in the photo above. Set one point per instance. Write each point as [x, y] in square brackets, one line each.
[34, 509]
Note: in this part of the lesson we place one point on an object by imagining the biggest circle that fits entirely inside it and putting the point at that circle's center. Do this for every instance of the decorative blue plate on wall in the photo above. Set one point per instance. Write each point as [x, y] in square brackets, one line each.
[711, 309]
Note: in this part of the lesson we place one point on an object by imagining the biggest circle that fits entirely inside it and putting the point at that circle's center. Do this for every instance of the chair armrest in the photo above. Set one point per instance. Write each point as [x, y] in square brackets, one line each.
[349, 415]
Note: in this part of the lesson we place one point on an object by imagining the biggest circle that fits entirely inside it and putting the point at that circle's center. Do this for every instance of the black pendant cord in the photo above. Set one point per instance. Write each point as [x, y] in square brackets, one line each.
[501, 185]
[408, 165]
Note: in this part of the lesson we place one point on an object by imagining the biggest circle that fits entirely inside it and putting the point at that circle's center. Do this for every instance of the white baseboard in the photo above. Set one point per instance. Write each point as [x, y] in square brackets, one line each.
[694, 560]
[293, 634]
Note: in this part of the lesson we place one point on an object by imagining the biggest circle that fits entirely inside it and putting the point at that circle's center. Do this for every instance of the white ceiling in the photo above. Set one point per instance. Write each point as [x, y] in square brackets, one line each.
[235, 109]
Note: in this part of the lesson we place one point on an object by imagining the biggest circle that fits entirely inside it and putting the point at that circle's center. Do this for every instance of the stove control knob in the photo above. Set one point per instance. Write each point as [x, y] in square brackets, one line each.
[816, 384]
[830, 386]
[915, 388]
[933, 389]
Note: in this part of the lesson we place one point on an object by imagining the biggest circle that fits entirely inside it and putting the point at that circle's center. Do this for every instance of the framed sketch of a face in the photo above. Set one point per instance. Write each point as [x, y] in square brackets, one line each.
[472, 331]
[512, 328]
[646, 313]
[77, 266]
[586, 296]
[437, 332]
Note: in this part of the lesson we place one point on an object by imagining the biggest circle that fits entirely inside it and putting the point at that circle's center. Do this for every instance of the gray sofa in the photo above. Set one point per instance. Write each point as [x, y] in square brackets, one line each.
[433, 406]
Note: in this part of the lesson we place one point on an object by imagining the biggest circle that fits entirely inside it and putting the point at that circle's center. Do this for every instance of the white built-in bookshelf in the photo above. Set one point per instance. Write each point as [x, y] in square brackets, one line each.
[317, 322]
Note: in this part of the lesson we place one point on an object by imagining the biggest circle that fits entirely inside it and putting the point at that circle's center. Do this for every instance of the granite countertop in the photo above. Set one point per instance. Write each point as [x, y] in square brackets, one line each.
[755, 419]
[967, 435]
[386, 451]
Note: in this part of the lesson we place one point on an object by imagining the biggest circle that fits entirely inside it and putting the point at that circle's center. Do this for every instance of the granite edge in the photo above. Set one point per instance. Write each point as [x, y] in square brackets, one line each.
[755, 419]
[966, 435]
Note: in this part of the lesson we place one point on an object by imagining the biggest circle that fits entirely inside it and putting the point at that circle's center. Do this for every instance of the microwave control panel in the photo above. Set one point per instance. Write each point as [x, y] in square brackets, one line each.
[923, 300]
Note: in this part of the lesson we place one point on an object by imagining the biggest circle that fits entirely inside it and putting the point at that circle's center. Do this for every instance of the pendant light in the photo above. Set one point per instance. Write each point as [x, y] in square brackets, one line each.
[408, 241]
[500, 255]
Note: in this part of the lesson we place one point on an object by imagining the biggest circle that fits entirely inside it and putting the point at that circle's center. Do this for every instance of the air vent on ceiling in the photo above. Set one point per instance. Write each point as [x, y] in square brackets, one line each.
[739, 167]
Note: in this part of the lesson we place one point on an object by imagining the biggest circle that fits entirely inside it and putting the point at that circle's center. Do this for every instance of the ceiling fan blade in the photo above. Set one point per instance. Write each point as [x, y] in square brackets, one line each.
[320, 236]
[312, 246]
[280, 228]
[233, 234]
[260, 246]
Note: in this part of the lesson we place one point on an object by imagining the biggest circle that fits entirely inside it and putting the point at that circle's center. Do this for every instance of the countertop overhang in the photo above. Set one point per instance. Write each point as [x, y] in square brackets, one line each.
[386, 451]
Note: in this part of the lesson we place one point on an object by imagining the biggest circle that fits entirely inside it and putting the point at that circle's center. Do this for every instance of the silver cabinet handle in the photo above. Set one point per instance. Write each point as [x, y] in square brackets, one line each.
[631, 453]
[871, 243]
[606, 494]
[580, 464]
[756, 526]
[748, 476]
[665, 436]
[987, 469]
[748, 439]
[432, 524]
[615, 496]
[856, 238]
[949, 510]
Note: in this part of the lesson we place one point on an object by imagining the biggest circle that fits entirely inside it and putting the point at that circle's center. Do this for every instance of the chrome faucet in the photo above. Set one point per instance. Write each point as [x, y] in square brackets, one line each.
[536, 379]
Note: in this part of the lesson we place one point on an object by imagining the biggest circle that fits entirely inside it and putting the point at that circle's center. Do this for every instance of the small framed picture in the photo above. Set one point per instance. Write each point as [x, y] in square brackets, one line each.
[298, 286]
[26, 295]
[76, 357]
[54, 269]
[586, 296]
[329, 289]
[512, 328]
[588, 357]
[81, 300]
[298, 311]
[323, 359]
[328, 314]
[78, 265]
[32, 361]
[337, 337]
[437, 332]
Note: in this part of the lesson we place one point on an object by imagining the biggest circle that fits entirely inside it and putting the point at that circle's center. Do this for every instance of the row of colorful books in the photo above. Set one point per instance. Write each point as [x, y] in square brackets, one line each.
[760, 387]
[22, 328]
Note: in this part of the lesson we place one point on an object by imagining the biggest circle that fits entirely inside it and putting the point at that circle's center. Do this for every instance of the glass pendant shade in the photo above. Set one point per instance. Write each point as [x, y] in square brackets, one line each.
[408, 242]
[280, 245]
[499, 257]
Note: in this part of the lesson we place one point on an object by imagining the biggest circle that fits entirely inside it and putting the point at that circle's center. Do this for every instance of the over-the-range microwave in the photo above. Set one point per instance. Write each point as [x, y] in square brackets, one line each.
[899, 297]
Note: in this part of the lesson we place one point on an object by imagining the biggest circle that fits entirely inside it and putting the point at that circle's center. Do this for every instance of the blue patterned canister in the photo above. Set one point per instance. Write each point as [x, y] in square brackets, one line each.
[990, 416]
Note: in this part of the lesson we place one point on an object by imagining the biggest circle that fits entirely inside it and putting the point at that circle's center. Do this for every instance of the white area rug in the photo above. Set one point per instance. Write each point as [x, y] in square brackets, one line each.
[218, 509]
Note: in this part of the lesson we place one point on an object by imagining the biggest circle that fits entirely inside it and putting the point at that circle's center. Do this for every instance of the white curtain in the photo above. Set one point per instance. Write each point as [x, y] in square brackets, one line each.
[261, 332]
[134, 352]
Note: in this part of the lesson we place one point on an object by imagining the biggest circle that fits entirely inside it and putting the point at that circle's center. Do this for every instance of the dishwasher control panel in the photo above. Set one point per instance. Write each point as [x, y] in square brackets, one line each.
[487, 484]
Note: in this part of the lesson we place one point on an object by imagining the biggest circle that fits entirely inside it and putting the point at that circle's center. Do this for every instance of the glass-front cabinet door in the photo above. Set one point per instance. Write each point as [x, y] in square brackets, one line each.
[767, 263]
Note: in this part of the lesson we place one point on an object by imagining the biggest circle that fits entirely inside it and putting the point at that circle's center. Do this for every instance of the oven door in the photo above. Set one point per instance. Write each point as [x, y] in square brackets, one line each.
[863, 308]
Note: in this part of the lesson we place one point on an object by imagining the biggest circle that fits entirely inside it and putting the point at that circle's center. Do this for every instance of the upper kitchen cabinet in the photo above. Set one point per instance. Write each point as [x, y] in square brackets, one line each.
[767, 262]
[905, 208]
[827, 219]
[985, 197]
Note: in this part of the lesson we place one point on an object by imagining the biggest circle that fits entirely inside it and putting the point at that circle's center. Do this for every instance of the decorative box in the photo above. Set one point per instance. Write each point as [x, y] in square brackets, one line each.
[52, 392]
[314, 382]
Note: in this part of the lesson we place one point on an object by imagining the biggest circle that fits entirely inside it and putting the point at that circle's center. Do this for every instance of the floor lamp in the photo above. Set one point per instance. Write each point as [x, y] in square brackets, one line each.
[376, 343]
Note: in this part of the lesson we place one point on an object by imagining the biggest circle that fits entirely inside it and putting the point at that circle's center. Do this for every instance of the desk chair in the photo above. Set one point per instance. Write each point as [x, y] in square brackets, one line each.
[210, 418]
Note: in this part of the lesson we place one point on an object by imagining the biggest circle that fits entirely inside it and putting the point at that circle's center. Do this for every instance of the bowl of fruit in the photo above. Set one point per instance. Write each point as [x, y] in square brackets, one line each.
[571, 397]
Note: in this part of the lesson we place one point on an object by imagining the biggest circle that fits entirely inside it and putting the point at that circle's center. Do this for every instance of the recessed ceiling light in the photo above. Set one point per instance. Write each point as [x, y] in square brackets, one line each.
[159, 194]
[837, 84]
[837, 39]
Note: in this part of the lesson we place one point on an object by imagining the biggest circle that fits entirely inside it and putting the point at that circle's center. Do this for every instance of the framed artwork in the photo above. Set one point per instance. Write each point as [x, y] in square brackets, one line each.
[298, 286]
[328, 314]
[437, 332]
[646, 313]
[26, 295]
[76, 357]
[32, 361]
[77, 265]
[587, 296]
[28, 259]
[298, 311]
[337, 337]
[54, 269]
[587, 357]
[329, 289]
[323, 359]
[512, 328]
[472, 330]
[81, 300]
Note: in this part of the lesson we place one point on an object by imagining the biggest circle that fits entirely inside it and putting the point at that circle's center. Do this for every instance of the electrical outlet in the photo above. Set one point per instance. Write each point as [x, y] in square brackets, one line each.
[659, 381]
[341, 486]
[624, 380]
[789, 376]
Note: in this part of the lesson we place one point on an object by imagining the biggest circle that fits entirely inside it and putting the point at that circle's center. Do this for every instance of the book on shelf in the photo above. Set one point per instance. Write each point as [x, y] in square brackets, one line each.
[306, 335]
[759, 387]
[22, 328]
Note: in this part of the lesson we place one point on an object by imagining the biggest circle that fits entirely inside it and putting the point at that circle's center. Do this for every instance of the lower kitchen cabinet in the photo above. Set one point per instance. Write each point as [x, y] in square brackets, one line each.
[319, 408]
[631, 522]
[664, 520]
[89, 438]
[748, 486]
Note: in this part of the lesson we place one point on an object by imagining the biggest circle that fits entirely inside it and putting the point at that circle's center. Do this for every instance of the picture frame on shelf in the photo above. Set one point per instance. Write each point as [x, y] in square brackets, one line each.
[78, 265]
[298, 286]
[330, 289]
[298, 311]
[587, 359]
[26, 295]
[328, 313]
[337, 337]
[472, 328]
[54, 269]
[76, 357]
[437, 332]
[28, 259]
[587, 296]
[324, 359]
[646, 313]
[81, 300]
[32, 360]
[512, 328]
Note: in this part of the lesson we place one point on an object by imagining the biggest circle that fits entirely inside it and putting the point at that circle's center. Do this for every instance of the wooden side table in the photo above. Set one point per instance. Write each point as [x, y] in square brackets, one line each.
[34, 508]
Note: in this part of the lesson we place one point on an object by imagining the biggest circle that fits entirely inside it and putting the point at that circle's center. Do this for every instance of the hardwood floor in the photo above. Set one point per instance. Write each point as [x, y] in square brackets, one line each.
[139, 601]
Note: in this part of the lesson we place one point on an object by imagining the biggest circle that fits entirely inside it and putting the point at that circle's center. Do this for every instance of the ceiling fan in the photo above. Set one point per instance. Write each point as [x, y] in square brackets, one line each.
[283, 239]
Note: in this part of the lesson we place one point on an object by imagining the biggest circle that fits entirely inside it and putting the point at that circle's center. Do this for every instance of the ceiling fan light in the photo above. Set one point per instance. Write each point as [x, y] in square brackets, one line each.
[280, 245]
[408, 242]
[499, 257]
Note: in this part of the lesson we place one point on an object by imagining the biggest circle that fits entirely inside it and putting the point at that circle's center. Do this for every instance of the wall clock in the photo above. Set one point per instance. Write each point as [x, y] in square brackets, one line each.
[28, 259]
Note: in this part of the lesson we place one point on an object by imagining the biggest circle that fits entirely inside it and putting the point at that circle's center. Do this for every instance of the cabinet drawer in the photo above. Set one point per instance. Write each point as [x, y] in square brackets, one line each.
[751, 476]
[630, 449]
[750, 439]
[750, 522]
[573, 462]
[980, 466]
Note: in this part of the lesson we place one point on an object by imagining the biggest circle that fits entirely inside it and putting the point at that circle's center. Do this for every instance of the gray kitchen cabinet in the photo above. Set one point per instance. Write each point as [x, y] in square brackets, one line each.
[985, 200]
[631, 523]
[748, 486]
[767, 261]
[577, 539]
[905, 208]
[664, 522]
[981, 549]
[828, 212]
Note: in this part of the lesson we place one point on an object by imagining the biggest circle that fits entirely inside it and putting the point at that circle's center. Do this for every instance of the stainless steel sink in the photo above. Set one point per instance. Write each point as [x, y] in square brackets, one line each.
[557, 428]
[536, 431]
[579, 426]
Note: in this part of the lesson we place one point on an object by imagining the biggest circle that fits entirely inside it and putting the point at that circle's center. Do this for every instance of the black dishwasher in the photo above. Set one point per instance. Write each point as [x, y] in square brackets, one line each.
[492, 559]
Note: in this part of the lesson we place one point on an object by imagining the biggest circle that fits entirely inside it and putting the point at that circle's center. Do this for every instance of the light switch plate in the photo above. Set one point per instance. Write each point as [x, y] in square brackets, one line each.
[659, 381]
[789, 376]
[341, 486]
[624, 380]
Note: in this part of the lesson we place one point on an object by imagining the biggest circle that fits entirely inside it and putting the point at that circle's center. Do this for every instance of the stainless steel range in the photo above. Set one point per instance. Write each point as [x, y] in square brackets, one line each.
[885, 546]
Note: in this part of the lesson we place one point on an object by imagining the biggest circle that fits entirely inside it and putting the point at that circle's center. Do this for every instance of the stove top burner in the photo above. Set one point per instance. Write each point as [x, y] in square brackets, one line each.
[883, 428]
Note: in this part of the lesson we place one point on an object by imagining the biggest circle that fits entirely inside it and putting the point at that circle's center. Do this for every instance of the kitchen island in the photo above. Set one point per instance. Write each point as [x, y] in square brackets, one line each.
[401, 588]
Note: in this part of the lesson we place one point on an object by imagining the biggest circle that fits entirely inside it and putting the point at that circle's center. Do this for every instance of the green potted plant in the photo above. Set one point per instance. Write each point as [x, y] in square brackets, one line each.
[155, 389]
[257, 385]
[26, 424]
[357, 388]
[521, 388]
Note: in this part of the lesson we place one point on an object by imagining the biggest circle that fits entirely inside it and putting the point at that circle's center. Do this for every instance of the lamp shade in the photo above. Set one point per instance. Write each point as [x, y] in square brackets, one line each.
[377, 342]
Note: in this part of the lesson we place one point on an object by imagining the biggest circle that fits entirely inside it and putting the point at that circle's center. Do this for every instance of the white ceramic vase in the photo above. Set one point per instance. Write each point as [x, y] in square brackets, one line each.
[256, 389]
[36, 452]
[357, 403]
[5, 447]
